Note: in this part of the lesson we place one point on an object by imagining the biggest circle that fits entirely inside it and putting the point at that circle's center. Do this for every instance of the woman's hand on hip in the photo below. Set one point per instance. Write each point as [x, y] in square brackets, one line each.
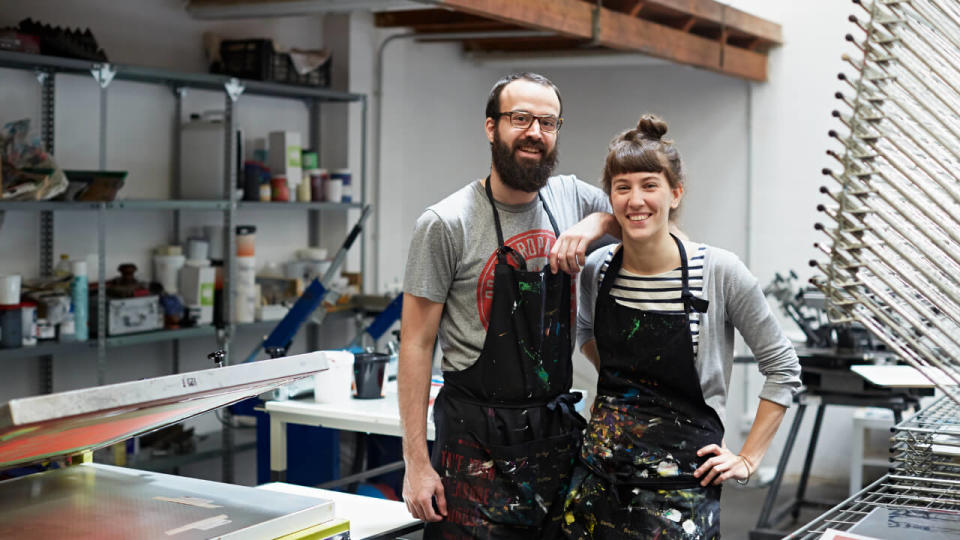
[722, 466]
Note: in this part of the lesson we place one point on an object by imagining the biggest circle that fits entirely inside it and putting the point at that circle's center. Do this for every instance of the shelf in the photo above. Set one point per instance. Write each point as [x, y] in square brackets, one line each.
[48, 348]
[123, 204]
[159, 204]
[297, 205]
[45, 348]
[160, 335]
[39, 206]
[208, 81]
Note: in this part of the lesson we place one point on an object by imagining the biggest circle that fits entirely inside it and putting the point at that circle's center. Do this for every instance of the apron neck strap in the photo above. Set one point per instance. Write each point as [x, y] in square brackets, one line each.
[690, 302]
[503, 250]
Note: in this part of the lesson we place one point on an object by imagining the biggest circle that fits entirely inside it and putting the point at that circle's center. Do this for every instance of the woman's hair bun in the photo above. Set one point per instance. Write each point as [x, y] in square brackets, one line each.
[652, 127]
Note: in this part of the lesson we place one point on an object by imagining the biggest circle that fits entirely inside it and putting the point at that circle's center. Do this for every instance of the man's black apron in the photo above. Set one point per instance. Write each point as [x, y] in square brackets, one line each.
[506, 432]
[649, 420]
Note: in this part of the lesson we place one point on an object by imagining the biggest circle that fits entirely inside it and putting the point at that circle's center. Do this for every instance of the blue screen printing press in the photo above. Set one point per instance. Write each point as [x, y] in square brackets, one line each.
[81, 499]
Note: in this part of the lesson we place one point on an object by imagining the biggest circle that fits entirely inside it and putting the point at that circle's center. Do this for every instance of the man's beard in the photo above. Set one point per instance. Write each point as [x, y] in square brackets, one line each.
[522, 174]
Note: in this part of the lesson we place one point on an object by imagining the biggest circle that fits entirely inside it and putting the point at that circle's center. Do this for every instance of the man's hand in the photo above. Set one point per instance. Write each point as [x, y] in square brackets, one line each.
[420, 485]
[569, 252]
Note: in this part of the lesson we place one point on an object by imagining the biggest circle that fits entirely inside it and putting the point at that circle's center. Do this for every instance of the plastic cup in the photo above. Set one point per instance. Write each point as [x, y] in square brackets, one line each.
[369, 375]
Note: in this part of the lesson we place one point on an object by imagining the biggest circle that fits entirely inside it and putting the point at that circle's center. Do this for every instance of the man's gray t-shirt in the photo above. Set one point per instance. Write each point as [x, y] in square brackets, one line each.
[453, 253]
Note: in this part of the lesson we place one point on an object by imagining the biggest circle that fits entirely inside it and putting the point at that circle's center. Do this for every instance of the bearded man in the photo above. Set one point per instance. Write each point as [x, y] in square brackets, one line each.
[489, 274]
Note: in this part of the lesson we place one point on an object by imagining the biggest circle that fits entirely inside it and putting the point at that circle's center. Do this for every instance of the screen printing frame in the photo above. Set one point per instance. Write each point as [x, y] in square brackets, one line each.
[37, 428]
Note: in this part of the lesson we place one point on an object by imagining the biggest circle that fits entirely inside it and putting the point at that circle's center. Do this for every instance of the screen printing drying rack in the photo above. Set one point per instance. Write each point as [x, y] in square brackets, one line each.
[920, 497]
[91, 500]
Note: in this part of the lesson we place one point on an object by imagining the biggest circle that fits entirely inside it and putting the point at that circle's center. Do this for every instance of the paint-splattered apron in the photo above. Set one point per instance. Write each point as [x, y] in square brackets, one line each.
[507, 434]
[648, 421]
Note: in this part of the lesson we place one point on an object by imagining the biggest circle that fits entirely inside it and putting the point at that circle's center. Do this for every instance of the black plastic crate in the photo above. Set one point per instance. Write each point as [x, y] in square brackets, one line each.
[255, 59]
[284, 71]
[247, 58]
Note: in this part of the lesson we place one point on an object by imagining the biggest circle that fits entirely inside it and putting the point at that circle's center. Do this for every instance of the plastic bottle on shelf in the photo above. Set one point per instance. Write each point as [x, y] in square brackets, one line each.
[79, 293]
[62, 269]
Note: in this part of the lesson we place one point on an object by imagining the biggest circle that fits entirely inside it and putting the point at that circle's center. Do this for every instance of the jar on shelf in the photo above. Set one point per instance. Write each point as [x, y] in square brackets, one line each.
[279, 190]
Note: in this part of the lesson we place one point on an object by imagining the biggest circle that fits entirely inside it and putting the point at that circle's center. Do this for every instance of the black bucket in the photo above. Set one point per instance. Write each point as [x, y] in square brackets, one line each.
[369, 374]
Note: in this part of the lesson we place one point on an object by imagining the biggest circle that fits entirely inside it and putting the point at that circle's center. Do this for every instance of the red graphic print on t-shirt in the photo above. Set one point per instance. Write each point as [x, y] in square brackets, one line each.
[534, 246]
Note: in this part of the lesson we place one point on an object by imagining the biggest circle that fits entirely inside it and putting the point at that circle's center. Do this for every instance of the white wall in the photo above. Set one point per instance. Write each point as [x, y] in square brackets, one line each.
[433, 143]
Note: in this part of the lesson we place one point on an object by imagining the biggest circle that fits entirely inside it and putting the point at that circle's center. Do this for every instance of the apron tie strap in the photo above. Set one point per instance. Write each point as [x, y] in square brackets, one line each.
[695, 302]
[567, 403]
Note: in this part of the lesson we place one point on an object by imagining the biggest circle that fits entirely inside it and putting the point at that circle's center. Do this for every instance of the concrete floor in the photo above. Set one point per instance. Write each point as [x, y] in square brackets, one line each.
[740, 505]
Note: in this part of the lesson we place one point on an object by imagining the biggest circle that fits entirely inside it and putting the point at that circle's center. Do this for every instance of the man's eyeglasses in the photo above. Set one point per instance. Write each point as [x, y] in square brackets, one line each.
[523, 120]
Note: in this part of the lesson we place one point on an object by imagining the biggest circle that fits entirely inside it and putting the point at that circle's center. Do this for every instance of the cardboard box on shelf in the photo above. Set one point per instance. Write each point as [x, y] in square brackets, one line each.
[196, 287]
[284, 158]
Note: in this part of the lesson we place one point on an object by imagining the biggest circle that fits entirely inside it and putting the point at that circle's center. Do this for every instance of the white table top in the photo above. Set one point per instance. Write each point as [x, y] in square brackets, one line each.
[368, 516]
[379, 416]
[900, 376]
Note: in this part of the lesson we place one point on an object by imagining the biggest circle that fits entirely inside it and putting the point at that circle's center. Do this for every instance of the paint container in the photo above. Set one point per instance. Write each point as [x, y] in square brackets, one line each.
[346, 179]
[198, 249]
[11, 326]
[214, 234]
[80, 296]
[303, 191]
[166, 269]
[45, 330]
[10, 290]
[246, 240]
[245, 293]
[317, 178]
[314, 262]
[28, 318]
[369, 375]
[334, 385]
[333, 190]
[67, 330]
[279, 190]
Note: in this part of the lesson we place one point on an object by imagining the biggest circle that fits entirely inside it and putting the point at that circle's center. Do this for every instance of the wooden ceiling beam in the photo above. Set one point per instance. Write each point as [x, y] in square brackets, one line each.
[567, 17]
[620, 31]
[732, 18]
[435, 21]
[425, 17]
[521, 44]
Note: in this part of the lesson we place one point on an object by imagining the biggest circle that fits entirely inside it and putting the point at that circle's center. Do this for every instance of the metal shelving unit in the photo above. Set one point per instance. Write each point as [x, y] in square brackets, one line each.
[297, 205]
[47, 68]
[928, 444]
[924, 474]
[891, 491]
[52, 348]
[161, 335]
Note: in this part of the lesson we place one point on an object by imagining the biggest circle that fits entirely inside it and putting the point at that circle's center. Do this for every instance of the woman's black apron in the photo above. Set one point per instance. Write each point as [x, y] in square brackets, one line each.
[506, 433]
[649, 419]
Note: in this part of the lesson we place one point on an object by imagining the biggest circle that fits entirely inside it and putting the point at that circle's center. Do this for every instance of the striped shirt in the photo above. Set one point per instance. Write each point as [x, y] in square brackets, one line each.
[660, 293]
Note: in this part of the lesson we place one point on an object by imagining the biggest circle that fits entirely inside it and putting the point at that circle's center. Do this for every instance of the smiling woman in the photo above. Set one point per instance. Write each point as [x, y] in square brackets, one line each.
[656, 317]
